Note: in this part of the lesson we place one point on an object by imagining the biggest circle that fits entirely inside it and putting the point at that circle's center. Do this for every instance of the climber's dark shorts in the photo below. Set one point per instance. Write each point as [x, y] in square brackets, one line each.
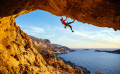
[67, 24]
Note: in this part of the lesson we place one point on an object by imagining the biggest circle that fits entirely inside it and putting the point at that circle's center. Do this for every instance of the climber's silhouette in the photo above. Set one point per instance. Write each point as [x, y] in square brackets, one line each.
[67, 24]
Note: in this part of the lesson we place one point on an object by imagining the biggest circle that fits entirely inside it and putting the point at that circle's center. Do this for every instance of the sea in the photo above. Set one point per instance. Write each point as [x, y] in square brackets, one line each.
[106, 63]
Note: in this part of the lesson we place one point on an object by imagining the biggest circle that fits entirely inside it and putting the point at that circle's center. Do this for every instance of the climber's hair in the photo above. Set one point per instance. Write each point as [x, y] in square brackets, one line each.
[61, 19]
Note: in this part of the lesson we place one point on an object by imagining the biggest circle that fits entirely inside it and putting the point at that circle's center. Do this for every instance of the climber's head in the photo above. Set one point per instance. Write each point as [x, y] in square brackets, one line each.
[61, 19]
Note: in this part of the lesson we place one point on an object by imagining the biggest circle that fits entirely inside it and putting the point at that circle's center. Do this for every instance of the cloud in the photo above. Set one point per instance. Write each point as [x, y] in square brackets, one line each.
[59, 28]
[37, 30]
[51, 35]
[34, 31]
[103, 36]
[106, 31]
[80, 33]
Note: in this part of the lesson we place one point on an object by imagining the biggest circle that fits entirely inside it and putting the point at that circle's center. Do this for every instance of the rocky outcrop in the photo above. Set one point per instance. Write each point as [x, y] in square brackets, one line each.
[58, 63]
[84, 70]
[17, 55]
[45, 44]
[102, 13]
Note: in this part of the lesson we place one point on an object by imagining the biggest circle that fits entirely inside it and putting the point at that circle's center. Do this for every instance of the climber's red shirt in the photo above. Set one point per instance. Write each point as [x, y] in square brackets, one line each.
[63, 22]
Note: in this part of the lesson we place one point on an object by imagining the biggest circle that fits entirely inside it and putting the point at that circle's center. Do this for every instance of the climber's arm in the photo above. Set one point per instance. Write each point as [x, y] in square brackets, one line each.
[66, 19]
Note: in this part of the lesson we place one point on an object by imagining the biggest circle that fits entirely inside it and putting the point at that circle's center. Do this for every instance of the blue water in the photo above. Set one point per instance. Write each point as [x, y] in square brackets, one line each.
[107, 63]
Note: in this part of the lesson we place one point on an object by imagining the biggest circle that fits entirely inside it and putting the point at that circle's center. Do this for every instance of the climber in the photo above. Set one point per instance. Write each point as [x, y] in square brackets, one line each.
[67, 24]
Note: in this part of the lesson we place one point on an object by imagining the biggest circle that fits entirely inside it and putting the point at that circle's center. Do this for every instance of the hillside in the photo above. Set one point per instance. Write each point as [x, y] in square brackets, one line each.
[61, 49]
[45, 44]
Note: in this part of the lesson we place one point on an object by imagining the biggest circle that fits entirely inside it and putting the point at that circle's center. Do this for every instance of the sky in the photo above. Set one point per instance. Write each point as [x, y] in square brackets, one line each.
[42, 24]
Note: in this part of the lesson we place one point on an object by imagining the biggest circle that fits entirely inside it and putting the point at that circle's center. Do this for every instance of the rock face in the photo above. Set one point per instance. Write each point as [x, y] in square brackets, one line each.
[42, 43]
[58, 63]
[17, 55]
[102, 13]
[45, 44]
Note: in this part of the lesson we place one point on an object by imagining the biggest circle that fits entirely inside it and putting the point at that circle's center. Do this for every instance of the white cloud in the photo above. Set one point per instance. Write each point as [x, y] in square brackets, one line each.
[99, 36]
[51, 35]
[37, 30]
[80, 33]
[106, 31]
[34, 31]
[59, 28]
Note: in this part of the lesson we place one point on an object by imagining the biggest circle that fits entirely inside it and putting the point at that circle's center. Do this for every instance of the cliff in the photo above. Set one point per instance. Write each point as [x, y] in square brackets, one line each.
[17, 55]
[45, 44]
[101, 13]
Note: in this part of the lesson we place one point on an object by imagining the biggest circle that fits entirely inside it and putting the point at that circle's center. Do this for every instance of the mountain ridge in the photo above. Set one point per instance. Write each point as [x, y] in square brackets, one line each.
[46, 44]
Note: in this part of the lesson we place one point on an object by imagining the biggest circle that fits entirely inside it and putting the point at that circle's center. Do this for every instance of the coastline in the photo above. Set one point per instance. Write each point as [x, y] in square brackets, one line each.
[85, 71]
[65, 52]
[113, 51]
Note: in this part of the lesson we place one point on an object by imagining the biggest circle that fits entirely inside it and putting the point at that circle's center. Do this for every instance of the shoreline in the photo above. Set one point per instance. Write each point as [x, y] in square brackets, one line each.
[113, 51]
[85, 71]
[64, 52]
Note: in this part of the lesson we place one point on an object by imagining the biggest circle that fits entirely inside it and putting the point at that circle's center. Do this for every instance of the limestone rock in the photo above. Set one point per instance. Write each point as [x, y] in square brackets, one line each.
[17, 54]
[101, 13]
